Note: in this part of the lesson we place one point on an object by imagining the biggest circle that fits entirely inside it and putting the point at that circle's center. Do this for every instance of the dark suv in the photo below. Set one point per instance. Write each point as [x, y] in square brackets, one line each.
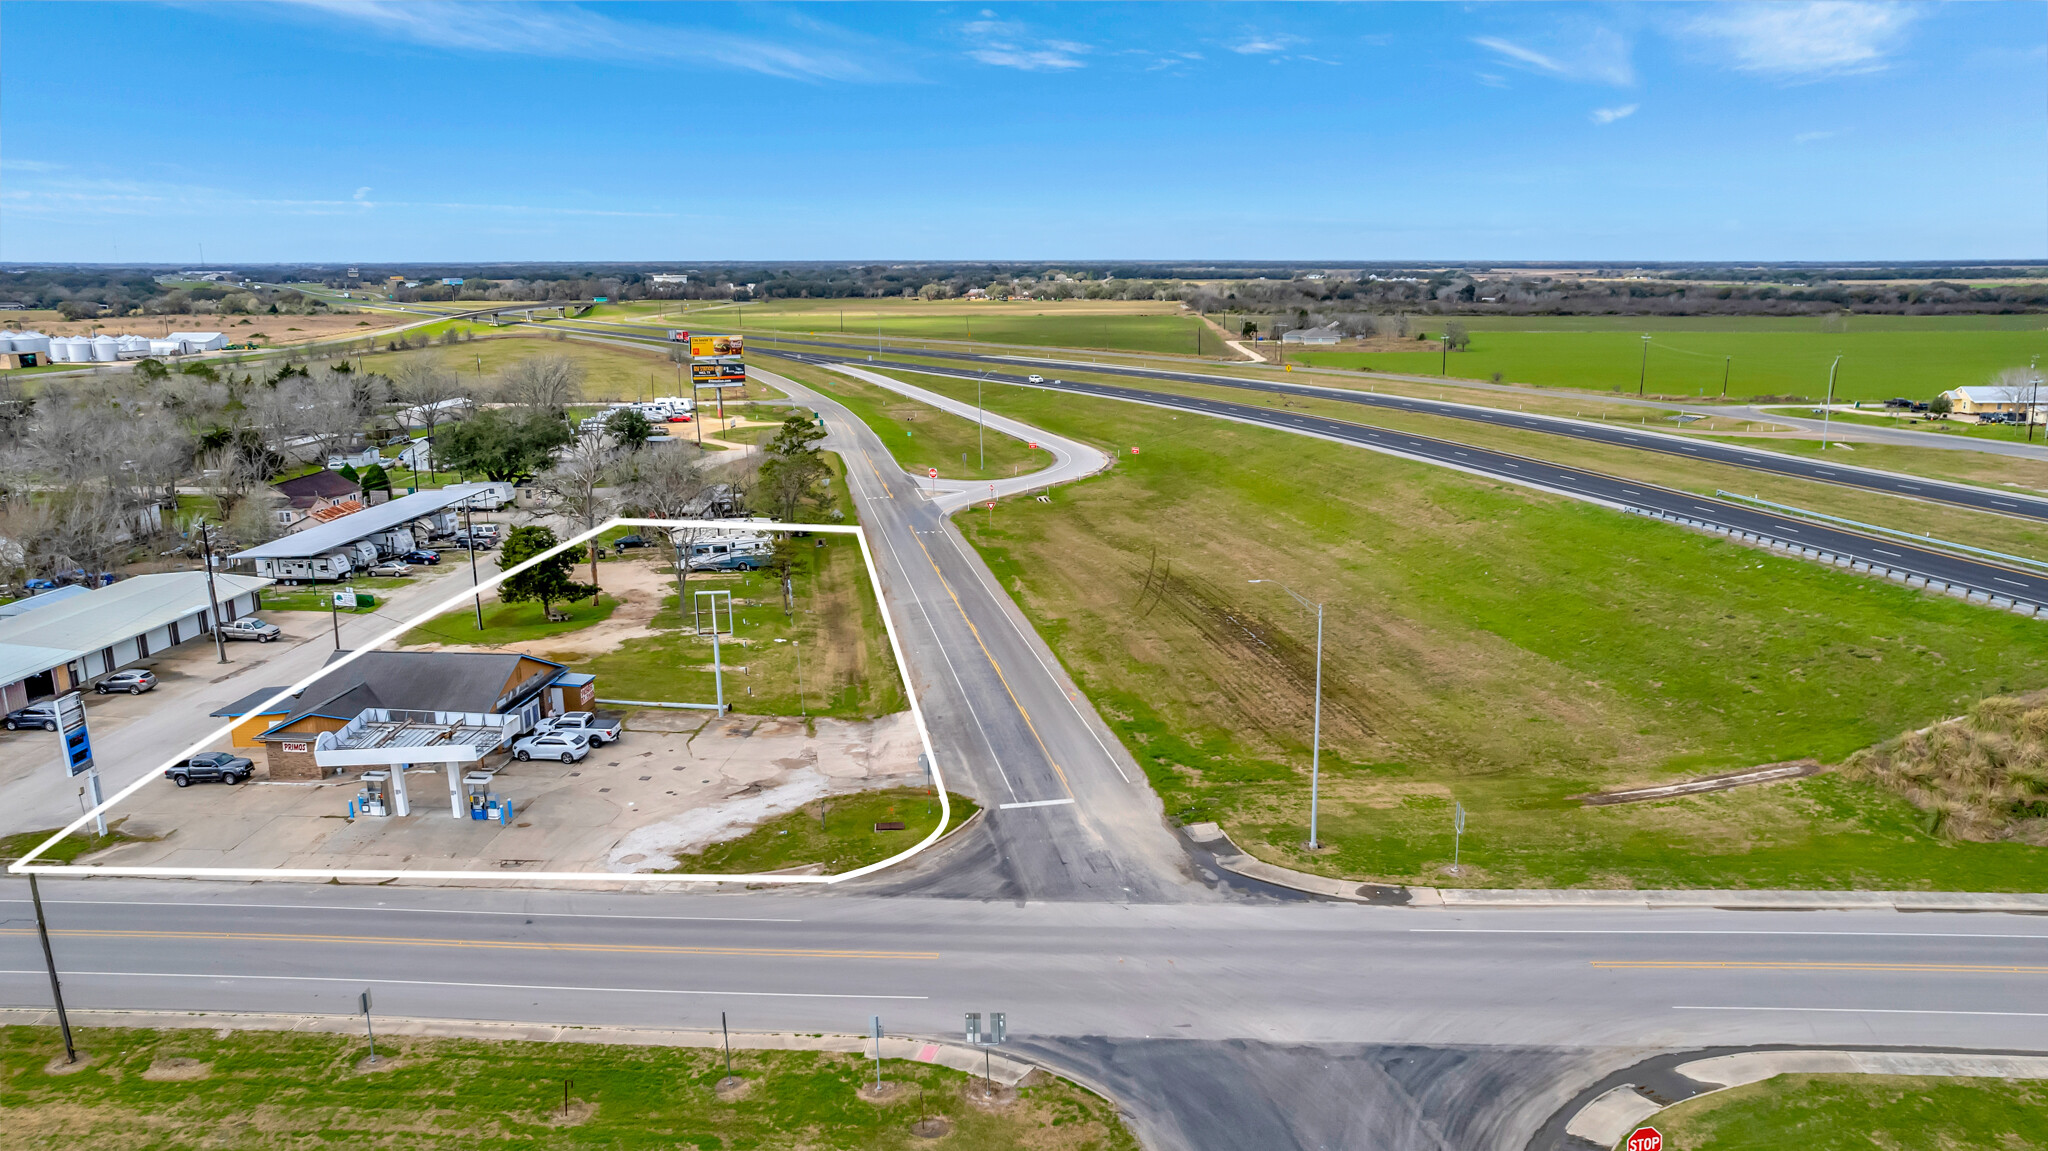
[211, 767]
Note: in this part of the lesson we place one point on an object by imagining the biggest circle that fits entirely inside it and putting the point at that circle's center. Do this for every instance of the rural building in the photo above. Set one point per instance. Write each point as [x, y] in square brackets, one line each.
[67, 644]
[253, 718]
[1985, 399]
[333, 550]
[318, 498]
[411, 707]
[1312, 336]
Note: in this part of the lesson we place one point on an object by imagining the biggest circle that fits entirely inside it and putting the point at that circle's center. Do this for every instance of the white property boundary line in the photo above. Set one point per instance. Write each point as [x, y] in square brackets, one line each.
[71, 871]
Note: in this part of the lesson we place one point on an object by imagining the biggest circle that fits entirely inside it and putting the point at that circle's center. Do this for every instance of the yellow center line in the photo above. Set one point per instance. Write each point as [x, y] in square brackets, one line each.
[1772, 965]
[1017, 703]
[485, 944]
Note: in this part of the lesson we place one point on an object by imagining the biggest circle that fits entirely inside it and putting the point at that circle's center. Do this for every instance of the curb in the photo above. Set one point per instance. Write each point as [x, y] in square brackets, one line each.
[1008, 1072]
[1232, 858]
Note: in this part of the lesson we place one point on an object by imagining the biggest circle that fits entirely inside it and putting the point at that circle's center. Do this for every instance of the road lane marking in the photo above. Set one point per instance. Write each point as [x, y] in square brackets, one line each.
[1872, 1011]
[478, 944]
[1789, 965]
[1035, 803]
[381, 910]
[2013, 582]
[353, 979]
[1708, 931]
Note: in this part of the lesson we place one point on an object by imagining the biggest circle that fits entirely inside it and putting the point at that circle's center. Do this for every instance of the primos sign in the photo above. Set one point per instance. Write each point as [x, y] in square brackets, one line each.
[1645, 1139]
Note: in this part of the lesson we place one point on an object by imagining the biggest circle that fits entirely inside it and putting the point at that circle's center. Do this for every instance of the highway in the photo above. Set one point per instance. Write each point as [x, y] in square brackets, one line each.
[1415, 1028]
[2010, 583]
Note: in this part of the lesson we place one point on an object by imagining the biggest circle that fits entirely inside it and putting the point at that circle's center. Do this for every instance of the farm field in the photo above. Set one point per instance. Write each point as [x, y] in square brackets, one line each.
[1841, 1112]
[610, 373]
[147, 1090]
[1111, 325]
[1878, 362]
[1493, 646]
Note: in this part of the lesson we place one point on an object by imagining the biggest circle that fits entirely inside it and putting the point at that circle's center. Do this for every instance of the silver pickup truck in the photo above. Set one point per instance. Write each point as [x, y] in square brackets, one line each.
[600, 729]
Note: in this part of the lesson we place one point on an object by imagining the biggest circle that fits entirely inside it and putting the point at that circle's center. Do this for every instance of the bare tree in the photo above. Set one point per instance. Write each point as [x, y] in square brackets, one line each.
[425, 388]
[578, 486]
[542, 383]
[663, 483]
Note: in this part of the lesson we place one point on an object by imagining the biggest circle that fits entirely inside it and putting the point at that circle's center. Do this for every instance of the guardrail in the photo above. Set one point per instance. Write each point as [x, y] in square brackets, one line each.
[1821, 555]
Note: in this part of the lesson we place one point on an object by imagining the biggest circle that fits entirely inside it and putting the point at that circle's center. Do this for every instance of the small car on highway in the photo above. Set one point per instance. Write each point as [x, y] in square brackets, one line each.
[249, 627]
[1035, 378]
[567, 746]
[211, 767]
[134, 681]
[43, 715]
[392, 569]
[421, 556]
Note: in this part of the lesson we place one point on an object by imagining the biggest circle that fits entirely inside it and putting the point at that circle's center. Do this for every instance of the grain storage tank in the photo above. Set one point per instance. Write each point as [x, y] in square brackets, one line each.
[105, 349]
[133, 347]
[6, 340]
[64, 349]
[32, 342]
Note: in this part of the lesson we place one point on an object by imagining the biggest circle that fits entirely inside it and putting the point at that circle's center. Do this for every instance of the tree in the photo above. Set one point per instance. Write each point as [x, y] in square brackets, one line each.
[501, 447]
[575, 486]
[629, 429]
[375, 479]
[1456, 336]
[663, 484]
[1940, 405]
[546, 582]
[546, 384]
[424, 388]
[793, 473]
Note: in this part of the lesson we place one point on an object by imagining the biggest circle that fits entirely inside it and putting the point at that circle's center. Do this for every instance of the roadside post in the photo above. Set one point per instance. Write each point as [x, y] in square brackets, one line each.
[875, 1027]
[367, 1029]
[976, 1037]
[1457, 832]
[727, 1033]
[78, 751]
[697, 606]
[50, 961]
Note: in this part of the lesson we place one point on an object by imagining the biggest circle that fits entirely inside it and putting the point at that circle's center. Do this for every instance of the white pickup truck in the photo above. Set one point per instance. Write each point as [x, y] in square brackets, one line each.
[600, 730]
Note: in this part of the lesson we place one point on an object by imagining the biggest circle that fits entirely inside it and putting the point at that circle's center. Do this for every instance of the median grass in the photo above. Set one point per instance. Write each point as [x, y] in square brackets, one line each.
[1492, 646]
[837, 834]
[1882, 356]
[1857, 1112]
[147, 1090]
[921, 436]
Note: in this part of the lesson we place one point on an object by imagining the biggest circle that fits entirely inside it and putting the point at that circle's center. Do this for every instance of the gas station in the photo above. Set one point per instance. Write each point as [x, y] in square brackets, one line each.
[391, 742]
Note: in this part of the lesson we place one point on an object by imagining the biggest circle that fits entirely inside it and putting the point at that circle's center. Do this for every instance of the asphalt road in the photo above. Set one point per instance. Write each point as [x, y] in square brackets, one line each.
[1409, 1026]
[1990, 579]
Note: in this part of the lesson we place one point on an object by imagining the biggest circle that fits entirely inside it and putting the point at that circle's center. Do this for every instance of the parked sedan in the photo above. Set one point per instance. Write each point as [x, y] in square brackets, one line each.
[421, 556]
[249, 627]
[565, 746]
[391, 569]
[211, 767]
[134, 681]
[43, 715]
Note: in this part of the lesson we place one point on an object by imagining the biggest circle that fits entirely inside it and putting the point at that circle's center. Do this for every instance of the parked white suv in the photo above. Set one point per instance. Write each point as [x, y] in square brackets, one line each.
[567, 746]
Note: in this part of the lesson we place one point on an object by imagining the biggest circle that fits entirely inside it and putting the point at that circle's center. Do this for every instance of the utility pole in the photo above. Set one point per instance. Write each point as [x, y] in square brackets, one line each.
[1726, 362]
[1828, 404]
[334, 614]
[475, 581]
[980, 439]
[2033, 394]
[50, 961]
[1643, 376]
[1443, 367]
[220, 647]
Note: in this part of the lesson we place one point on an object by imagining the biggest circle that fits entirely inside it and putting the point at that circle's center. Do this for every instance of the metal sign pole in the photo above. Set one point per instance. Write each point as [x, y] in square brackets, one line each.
[367, 1029]
[1457, 833]
[875, 1021]
[50, 961]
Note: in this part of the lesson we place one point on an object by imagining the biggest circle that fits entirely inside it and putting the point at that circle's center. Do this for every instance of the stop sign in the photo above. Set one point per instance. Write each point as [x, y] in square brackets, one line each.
[1645, 1139]
[1034, 445]
[934, 472]
[1134, 451]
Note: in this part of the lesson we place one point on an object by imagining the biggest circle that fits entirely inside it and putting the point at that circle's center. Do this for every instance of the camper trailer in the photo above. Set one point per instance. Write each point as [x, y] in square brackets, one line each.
[332, 566]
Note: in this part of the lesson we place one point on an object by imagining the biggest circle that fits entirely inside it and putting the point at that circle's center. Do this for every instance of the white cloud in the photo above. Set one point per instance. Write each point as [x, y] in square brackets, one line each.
[1007, 44]
[1610, 115]
[1806, 40]
[1256, 45]
[1599, 55]
[572, 32]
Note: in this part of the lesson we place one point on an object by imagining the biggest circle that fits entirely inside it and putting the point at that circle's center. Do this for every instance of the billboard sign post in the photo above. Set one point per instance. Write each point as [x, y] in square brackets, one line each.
[78, 750]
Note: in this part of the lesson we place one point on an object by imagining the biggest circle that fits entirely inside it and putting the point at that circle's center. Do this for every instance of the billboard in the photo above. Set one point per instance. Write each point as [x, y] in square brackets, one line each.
[703, 346]
[712, 371]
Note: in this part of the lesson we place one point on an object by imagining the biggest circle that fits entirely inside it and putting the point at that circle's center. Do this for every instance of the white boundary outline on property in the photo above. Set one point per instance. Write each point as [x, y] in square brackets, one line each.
[27, 862]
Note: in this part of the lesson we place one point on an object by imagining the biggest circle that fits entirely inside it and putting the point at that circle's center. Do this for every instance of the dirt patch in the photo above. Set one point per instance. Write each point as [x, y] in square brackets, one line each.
[932, 1127]
[987, 1095]
[170, 1070]
[885, 1093]
[278, 331]
[58, 1066]
[1768, 773]
[733, 1088]
[365, 1066]
[579, 1112]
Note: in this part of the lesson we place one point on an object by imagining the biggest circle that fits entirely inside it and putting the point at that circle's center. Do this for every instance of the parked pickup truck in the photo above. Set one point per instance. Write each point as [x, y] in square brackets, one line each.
[567, 746]
[249, 627]
[210, 767]
[601, 729]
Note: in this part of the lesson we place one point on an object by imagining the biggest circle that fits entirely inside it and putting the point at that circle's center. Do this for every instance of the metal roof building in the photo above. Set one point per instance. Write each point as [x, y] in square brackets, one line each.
[59, 647]
[340, 533]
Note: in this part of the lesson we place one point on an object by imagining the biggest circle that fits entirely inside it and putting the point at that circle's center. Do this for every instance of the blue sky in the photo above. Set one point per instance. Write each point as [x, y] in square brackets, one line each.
[338, 131]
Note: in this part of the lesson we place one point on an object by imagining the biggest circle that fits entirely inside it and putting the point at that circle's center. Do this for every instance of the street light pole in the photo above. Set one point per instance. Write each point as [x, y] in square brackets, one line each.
[1828, 405]
[220, 647]
[1315, 755]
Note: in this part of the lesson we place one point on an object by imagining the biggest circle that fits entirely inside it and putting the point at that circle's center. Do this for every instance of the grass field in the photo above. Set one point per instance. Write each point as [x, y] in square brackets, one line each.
[170, 1090]
[1858, 1112]
[508, 622]
[1110, 325]
[1501, 648]
[320, 597]
[921, 436]
[610, 373]
[1686, 358]
[838, 833]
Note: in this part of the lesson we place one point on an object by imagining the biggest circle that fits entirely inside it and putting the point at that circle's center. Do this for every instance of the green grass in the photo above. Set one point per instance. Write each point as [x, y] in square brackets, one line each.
[1911, 360]
[1502, 648]
[308, 1091]
[320, 597]
[508, 623]
[844, 839]
[2012, 433]
[1858, 1112]
[1048, 324]
[609, 372]
[920, 436]
[67, 850]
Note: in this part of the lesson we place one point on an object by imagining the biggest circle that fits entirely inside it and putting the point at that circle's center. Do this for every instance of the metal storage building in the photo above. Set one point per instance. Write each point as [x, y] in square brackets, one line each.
[64, 645]
[343, 534]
